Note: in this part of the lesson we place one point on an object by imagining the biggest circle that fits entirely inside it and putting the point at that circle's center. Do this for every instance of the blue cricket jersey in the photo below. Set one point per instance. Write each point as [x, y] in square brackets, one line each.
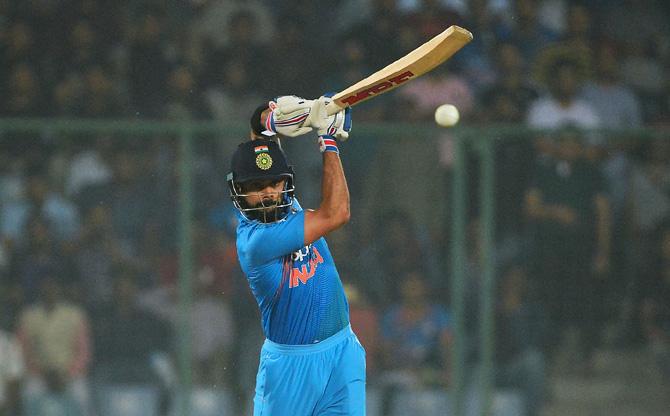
[297, 287]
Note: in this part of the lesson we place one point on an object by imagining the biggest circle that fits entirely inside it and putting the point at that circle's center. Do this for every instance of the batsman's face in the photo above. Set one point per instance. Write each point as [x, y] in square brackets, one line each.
[264, 193]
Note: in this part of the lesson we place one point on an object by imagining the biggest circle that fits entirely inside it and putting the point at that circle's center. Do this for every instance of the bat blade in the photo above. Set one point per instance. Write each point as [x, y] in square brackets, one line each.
[416, 63]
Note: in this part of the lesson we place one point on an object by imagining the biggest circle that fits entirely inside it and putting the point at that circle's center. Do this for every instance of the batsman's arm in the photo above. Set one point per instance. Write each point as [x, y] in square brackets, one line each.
[334, 211]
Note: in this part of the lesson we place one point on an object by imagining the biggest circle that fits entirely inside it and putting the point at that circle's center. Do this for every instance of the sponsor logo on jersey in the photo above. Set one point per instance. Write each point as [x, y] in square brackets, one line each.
[310, 258]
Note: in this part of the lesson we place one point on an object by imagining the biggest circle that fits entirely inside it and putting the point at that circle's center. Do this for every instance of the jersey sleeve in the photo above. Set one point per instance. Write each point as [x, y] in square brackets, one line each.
[269, 242]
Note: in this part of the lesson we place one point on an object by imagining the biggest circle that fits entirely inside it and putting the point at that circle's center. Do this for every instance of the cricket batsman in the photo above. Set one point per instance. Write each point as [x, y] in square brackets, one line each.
[311, 362]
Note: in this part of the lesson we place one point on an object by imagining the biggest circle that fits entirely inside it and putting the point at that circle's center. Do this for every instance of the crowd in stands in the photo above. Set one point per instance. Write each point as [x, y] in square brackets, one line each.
[89, 253]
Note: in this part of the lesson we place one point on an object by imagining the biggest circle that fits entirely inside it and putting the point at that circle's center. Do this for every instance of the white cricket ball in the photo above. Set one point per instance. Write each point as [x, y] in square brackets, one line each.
[446, 115]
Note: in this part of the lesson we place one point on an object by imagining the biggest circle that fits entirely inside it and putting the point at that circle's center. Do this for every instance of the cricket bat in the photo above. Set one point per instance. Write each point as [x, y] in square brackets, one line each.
[416, 63]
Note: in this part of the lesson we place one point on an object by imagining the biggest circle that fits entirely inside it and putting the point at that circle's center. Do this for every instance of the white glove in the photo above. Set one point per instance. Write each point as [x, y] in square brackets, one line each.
[323, 123]
[287, 116]
[338, 125]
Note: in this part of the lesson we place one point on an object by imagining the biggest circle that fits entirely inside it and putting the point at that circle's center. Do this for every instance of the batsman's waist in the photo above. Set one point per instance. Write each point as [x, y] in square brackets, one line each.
[327, 343]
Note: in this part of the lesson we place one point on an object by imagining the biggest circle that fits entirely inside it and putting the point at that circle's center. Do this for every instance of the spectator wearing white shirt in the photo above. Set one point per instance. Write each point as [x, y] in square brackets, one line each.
[562, 106]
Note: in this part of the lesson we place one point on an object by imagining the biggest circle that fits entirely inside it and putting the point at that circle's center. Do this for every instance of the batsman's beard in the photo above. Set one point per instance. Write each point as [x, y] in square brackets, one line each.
[267, 209]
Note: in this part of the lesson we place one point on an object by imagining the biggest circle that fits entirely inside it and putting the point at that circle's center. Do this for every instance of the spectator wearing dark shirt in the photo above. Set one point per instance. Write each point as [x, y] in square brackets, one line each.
[568, 212]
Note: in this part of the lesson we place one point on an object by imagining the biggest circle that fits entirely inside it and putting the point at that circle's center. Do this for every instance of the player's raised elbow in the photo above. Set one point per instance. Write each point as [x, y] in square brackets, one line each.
[343, 216]
[338, 217]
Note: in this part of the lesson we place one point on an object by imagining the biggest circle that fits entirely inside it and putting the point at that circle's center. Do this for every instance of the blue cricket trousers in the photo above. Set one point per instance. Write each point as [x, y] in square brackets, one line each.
[321, 379]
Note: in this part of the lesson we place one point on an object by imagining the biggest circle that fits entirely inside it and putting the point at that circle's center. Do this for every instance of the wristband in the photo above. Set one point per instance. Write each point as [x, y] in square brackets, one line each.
[328, 143]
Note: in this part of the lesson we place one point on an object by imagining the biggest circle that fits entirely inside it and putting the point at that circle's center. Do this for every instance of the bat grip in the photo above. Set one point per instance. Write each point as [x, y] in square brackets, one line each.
[332, 108]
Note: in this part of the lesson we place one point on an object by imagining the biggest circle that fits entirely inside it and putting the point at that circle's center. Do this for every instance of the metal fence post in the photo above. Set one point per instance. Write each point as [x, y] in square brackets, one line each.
[458, 263]
[487, 303]
[185, 270]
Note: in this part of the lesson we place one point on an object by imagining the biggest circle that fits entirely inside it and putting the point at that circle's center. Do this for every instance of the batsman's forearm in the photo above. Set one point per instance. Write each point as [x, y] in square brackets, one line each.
[334, 190]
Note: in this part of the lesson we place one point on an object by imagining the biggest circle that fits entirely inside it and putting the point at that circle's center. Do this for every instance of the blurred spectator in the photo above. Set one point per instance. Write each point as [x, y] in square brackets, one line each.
[212, 23]
[184, 99]
[126, 338]
[232, 98]
[89, 166]
[23, 93]
[412, 6]
[100, 96]
[507, 100]
[650, 195]
[244, 47]
[527, 31]
[212, 327]
[215, 254]
[562, 106]
[649, 201]
[634, 21]
[128, 196]
[617, 107]
[520, 340]
[98, 253]
[642, 68]
[365, 322]
[302, 75]
[11, 373]
[18, 44]
[479, 57]
[655, 310]
[378, 33]
[41, 199]
[432, 16]
[36, 257]
[84, 47]
[54, 336]
[578, 38]
[351, 66]
[67, 94]
[416, 333]
[148, 65]
[566, 203]
[615, 103]
[397, 249]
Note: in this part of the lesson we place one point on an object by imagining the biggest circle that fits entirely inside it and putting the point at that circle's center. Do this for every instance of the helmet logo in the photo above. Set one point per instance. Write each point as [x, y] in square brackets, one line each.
[264, 161]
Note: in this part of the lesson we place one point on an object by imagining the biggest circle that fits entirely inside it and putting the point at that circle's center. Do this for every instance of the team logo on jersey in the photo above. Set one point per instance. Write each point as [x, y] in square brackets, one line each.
[310, 258]
[264, 161]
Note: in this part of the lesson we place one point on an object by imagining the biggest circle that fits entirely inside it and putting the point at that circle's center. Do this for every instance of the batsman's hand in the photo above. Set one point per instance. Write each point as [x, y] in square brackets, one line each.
[288, 115]
[338, 125]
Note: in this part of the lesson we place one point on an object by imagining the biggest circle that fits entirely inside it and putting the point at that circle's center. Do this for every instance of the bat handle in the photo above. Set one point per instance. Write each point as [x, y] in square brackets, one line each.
[332, 108]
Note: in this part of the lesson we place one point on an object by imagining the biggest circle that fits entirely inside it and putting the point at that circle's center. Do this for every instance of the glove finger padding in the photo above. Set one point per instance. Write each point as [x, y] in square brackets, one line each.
[287, 105]
[288, 115]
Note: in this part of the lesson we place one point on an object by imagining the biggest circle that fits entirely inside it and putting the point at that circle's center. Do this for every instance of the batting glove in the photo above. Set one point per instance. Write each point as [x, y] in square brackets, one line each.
[287, 116]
